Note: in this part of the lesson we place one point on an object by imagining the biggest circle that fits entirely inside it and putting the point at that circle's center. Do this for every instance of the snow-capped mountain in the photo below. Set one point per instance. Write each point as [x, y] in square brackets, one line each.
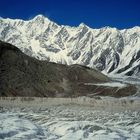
[108, 49]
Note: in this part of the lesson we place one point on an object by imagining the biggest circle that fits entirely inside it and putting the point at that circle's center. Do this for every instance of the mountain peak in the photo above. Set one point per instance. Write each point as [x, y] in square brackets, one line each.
[40, 18]
[83, 25]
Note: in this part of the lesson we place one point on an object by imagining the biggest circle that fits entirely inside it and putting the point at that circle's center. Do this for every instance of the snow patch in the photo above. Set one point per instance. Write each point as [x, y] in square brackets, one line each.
[109, 84]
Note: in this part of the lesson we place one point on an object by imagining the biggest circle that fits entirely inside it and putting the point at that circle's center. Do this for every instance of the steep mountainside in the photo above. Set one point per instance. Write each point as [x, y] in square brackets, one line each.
[108, 49]
[21, 75]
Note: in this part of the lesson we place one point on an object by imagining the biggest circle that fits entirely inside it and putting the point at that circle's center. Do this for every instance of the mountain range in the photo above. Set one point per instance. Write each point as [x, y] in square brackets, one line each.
[109, 50]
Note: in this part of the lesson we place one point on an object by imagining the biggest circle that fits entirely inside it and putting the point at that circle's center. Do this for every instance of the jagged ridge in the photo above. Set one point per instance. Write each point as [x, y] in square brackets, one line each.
[108, 49]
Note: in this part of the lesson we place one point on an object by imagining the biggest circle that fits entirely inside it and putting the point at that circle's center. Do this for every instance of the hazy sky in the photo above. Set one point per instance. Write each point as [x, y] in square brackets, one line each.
[94, 13]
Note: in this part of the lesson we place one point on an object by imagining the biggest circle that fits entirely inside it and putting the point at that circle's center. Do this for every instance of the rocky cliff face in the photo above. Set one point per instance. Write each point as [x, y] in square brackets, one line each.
[21, 75]
[112, 51]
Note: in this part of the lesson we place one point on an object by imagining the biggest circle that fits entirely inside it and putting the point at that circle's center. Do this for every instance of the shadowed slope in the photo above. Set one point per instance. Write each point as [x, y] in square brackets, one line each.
[21, 75]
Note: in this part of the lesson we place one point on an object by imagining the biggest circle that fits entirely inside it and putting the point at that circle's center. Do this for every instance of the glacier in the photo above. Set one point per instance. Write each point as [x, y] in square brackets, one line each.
[67, 123]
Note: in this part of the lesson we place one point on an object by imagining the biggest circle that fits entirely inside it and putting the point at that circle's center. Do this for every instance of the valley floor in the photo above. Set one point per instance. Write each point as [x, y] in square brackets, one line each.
[67, 122]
